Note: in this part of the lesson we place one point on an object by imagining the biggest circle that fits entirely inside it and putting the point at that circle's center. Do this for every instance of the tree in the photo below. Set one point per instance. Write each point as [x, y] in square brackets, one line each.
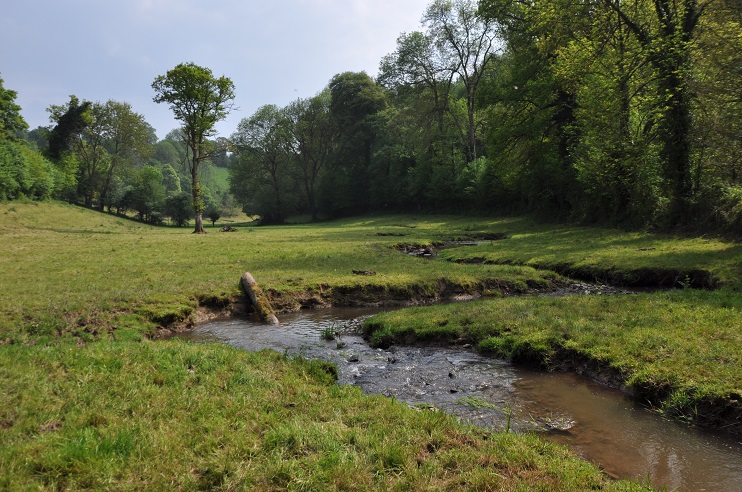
[418, 63]
[356, 102]
[531, 129]
[213, 213]
[147, 194]
[11, 121]
[312, 139]
[178, 208]
[468, 43]
[70, 121]
[665, 30]
[260, 175]
[127, 137]
[198, 100]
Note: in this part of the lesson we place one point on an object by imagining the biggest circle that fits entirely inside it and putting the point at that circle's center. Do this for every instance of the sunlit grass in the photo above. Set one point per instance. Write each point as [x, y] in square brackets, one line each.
[69, 264]
[684, 346]
[179, 416]
[105, 408]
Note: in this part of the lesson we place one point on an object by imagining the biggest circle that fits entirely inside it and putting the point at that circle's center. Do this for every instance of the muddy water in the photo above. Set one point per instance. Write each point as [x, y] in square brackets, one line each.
[599, 424]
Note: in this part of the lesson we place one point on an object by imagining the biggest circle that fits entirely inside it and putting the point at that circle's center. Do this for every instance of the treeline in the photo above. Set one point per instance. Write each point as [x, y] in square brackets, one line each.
[106, 156]
[599, 111]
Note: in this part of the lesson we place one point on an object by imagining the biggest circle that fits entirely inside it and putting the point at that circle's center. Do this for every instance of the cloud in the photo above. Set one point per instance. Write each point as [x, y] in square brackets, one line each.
[273, 51]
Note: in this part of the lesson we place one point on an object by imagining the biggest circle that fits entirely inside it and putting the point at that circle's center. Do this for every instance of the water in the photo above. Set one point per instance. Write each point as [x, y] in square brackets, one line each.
[599, 424]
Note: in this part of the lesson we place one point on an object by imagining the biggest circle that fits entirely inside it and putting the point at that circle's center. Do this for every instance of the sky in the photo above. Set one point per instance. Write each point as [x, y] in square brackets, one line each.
[274, 51]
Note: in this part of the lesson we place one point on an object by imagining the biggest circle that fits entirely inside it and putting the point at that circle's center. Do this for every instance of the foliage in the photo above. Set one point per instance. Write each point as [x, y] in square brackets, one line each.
[213, 214]
[356, 106]
[11, 121]
[178, 208]
[261, 174]
[198, 100]
[24, 172]
[70, 121]
[147, 194]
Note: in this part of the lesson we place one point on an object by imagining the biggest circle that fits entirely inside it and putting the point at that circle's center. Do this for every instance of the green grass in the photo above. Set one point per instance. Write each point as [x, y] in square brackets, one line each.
[90, 402]
[681, 349]
[65, 268]
[180, 416]
[609, 254]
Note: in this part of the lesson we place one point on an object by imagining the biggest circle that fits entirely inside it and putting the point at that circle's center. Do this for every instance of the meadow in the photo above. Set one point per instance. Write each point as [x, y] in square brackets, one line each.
[94, 401]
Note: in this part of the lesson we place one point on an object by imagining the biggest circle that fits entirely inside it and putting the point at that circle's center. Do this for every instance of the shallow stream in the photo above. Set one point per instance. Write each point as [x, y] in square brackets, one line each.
[599, 424]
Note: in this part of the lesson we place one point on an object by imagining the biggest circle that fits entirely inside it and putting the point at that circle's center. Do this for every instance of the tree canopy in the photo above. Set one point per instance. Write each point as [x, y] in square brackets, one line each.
[198, 100]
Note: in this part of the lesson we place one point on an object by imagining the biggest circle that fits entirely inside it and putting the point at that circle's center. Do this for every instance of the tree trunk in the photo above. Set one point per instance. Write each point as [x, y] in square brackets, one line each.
[258, 299]
[198, 202]
[676, 145]
[199, 224]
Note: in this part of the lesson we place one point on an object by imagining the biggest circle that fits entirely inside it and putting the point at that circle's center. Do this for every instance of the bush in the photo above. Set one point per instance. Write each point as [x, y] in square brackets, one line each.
[24, 172]
[179, 207]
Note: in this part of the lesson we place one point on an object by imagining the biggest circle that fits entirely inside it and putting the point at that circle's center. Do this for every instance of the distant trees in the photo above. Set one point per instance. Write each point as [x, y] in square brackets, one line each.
[261, 173]
[105, 155]
[198, 100]
[281, 154]
[23, 171]
[11, 121]
[104, 140]
[620, 112]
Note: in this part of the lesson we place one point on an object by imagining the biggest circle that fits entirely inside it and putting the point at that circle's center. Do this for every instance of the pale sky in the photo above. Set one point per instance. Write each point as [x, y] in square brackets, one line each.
[274, 51]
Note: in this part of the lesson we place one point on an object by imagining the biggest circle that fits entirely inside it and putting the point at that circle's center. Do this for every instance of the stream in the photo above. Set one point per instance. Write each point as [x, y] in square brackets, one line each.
[599, 424]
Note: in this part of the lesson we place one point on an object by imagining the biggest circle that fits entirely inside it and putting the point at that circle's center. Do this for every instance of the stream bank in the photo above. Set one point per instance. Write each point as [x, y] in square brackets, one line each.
[601, 425]
[722, 414]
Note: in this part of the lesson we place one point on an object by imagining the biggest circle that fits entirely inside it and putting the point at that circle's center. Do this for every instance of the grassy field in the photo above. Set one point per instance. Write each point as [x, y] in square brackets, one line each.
[93, 403]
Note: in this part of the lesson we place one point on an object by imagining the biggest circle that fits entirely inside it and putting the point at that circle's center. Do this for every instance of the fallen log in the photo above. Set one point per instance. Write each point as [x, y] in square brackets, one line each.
[258, 299]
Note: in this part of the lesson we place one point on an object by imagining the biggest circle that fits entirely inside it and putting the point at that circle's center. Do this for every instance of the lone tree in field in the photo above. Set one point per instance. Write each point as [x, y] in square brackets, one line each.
[198, 100]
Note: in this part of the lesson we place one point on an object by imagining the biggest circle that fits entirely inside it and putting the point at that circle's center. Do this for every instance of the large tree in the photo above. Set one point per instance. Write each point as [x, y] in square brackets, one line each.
[70, 121]
[666, 29]
[127, 137]
[260, 175]
[312, 141]
[198, 100]
[356, 105]
[11, 121]
[468, 42]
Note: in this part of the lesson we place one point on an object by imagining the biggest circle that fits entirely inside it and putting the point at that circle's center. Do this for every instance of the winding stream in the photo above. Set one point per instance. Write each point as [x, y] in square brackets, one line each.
[599, 424]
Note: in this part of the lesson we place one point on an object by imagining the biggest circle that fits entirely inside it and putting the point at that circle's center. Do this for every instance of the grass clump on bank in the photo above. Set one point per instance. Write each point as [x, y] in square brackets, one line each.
[681, 350]
[180, 416]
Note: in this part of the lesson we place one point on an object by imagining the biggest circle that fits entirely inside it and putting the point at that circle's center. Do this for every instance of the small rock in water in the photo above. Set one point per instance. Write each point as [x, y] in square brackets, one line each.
[354, 358]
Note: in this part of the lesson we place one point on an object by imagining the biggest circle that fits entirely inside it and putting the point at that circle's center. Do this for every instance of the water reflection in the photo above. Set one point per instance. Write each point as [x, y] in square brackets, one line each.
[599, 424]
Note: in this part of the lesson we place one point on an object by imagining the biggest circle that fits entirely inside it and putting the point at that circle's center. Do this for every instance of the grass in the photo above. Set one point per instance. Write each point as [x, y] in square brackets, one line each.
[609, 254]
[680, 349]
[93, 403]
[66, 269]
[179, 416]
